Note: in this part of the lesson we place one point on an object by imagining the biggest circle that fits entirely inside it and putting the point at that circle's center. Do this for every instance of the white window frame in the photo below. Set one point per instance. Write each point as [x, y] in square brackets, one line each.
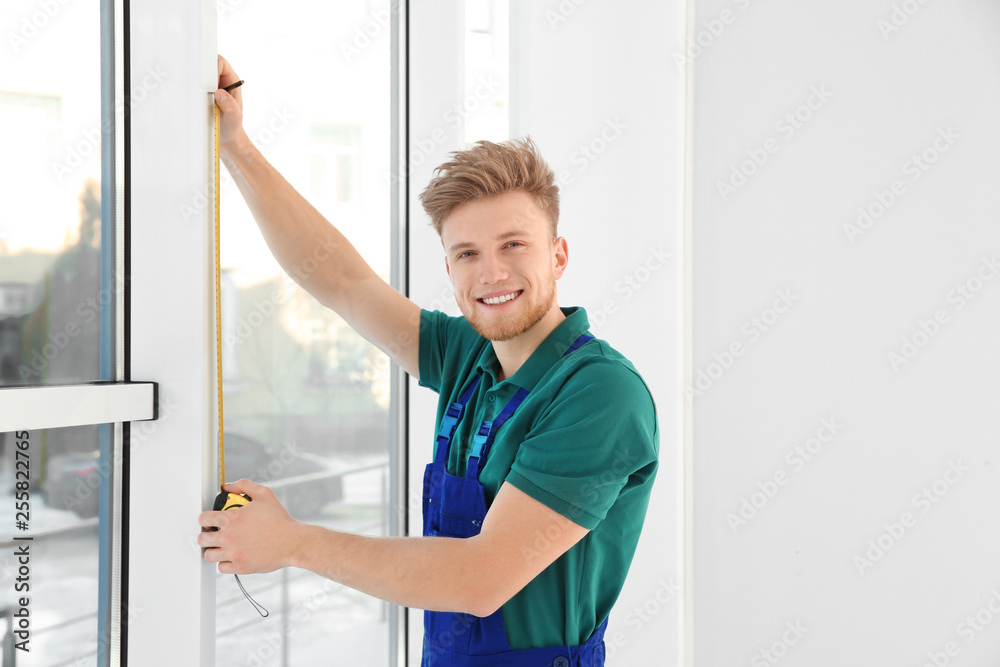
[172, 337]
[436, 72]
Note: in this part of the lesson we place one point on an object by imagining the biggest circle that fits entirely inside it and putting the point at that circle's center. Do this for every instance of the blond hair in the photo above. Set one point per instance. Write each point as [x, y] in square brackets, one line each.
[489, 169]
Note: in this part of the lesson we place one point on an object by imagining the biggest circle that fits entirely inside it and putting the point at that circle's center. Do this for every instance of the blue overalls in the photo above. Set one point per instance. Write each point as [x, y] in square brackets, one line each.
[455, 507]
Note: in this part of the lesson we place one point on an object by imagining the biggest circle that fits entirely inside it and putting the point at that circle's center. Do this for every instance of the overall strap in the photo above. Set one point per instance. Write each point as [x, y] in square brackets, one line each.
[488, 429]
[578, 342]
[450, 421]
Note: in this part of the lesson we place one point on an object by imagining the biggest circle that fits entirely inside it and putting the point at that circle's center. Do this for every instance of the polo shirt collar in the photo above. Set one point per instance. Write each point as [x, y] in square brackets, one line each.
[545, 355]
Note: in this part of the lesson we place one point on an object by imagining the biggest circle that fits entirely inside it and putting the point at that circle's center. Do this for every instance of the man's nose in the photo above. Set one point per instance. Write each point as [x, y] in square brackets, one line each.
[492, 270]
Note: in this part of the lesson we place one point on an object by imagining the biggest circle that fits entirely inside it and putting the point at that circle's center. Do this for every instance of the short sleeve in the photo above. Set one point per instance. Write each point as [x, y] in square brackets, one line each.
[433, 333]
[448, 346]
[595, 441]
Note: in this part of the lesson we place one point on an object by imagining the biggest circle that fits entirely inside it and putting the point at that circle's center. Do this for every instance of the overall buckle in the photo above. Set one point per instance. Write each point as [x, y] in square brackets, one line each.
[479, 441]
[450, 420]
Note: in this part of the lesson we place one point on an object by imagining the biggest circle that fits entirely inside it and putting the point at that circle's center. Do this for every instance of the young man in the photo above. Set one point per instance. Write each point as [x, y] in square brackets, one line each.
[547, 443]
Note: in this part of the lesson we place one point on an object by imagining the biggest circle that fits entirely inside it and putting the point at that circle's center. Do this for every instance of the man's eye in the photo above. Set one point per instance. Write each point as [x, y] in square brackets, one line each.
[513, 244]
[467, 253]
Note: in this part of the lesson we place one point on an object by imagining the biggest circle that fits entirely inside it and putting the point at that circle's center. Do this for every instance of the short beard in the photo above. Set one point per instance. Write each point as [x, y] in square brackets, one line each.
[505, 330]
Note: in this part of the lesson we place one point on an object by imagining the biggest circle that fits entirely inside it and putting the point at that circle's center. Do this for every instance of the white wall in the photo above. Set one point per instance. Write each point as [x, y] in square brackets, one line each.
[593, 86]
[805, 555]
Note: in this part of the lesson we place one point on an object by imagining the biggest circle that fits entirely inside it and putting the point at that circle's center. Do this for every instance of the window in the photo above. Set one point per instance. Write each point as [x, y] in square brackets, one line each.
[306, 398]
[58, 301]
[336, 162]
[484, 109]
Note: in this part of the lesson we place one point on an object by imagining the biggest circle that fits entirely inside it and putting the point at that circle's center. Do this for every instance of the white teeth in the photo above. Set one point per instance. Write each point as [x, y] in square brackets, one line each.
[497, 300]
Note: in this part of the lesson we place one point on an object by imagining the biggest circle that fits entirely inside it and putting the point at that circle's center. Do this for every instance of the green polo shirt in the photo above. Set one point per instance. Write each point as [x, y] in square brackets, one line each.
[584, 442]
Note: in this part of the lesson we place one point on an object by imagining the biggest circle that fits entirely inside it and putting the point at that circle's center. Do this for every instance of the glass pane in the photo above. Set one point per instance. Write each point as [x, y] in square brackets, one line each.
[487, 71]
[52, 300]
[49, 485]
[306, 399]
[56, 306]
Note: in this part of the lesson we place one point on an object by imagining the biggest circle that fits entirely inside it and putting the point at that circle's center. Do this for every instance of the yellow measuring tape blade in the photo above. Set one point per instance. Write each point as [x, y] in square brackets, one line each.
[218, 296]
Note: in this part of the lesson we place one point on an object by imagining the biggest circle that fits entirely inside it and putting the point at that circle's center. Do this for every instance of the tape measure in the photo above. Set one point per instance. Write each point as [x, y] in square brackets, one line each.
[224, 501]
[229, 501]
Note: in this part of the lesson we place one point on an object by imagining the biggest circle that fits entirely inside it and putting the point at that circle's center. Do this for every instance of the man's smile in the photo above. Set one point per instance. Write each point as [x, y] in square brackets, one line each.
[499, 298]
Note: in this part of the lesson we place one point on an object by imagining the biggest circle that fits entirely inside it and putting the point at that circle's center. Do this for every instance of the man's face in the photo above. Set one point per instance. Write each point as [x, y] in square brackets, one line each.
[503, 263]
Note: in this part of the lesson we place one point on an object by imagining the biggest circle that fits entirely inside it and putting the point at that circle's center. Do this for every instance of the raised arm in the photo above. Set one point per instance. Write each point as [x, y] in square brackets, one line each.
[310, 249]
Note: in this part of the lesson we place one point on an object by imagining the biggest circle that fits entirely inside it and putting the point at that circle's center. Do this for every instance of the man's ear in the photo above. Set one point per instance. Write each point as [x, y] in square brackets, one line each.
[447, 267]
[560, 256]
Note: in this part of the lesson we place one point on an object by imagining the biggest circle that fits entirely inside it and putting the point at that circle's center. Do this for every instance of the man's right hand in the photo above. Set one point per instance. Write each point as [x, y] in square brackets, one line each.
[232, 106]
